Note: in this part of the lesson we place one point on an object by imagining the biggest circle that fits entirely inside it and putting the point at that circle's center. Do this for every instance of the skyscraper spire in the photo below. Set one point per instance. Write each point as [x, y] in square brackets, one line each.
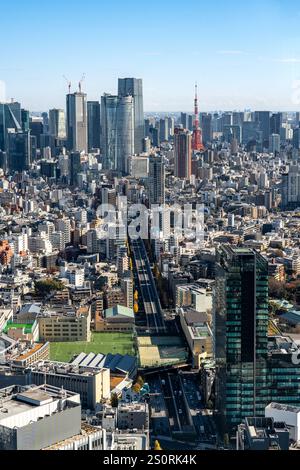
[197, 133]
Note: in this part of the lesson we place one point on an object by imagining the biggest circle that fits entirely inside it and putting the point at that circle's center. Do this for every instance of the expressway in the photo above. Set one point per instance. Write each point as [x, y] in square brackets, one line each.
[151, 303]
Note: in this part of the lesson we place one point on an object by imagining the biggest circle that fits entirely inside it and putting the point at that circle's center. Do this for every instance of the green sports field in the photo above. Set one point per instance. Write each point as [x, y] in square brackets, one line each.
[104, 343]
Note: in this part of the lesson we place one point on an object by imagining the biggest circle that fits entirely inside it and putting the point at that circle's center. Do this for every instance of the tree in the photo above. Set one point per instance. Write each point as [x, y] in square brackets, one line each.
[114, 400]
[46, 286]
[136, 388]
[140, 381]
[157, 446]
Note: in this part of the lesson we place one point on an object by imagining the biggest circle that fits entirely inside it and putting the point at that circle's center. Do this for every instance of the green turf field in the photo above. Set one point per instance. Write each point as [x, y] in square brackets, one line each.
[104, 343]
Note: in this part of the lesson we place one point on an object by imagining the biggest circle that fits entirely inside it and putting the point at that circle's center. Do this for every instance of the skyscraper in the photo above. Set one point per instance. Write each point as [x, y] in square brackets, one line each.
[109, 105]
[274, 146]
[8, 120]
[263, 118]
[57, 123]
[290, 188]
[125, 132]
[134, 87]
[94, 129]
[75, 167]
[275, 123]
[183, 153]
[77, 122]
[206, 125]
[240, 332]
[156, 181]
[117, 131]
[19, 152]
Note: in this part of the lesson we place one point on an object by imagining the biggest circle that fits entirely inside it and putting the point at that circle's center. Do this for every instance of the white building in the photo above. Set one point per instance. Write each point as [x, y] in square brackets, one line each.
[290, 415]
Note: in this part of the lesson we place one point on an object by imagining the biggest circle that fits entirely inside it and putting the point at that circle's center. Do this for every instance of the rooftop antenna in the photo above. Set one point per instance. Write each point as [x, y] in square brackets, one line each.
[80, 83]
[68, 82]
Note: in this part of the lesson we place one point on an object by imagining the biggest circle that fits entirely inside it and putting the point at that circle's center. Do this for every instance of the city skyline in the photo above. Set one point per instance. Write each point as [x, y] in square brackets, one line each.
[235, 65]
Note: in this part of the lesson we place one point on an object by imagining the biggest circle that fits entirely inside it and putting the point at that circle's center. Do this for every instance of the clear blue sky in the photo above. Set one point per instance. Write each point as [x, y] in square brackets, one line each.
[242, 54]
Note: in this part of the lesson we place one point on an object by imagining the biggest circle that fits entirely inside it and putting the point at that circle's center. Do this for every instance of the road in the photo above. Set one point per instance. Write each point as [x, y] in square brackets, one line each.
[203, 421]
[150, 299]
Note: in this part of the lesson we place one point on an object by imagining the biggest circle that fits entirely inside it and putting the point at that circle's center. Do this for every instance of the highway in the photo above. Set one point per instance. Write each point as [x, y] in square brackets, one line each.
[151, 303]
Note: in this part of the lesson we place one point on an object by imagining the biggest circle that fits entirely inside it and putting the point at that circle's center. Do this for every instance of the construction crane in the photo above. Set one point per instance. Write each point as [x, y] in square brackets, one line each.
[69, 83]
[80, 83]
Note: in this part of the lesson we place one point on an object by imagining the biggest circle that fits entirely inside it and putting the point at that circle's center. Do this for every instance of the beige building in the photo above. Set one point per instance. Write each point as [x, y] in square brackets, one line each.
[38, 352]
[198, 334]
[66, 328]
[93, 384]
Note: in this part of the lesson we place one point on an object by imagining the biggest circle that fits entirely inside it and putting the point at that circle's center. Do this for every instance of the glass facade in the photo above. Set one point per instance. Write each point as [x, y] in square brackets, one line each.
[241, 326]
[134, 87]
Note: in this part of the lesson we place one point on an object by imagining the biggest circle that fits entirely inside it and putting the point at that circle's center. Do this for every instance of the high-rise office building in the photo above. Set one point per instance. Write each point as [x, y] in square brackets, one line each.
[206, 125]
[15, 108]
[134, 88]
[77, 122]
[8, 120]
[290, 188]
[109, 105]
[117, 131]
[125, 132]
[94, 129]
[263, 118]
[275, 123]
[240, 332]
[184, 120]
[18, 150]
[183, 153]
[57, 123]
[171, 126]
[274, 146]
[164, 129]
[75, 167]
[25, 120]
[156, 181]
[36, 130]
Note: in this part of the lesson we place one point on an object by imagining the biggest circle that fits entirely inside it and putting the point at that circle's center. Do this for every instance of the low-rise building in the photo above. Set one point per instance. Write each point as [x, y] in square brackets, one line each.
[65, 328]
[32, 418]
[92, 384]
[199, 336]
[288, 414]
[133, 416]
[118, 318]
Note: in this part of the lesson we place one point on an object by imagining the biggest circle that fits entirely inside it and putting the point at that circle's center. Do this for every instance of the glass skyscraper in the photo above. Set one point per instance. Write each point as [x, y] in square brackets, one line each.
[240, 332]
[134, 88]
[93, 113]
[57, 123]
[117, 132]
[253, 369]
[109, 105]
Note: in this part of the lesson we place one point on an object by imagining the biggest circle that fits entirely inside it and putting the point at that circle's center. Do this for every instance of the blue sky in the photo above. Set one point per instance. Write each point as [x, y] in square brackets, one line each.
[242, 54]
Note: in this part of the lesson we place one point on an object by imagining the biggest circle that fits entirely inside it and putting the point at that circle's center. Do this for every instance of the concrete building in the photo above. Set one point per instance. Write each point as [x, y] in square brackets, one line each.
[117, 318]
[32, 418]
[93, 385]
[183, 153]
[133, 416]
[156, 180]
[57, 123]
[262, 434]
[65, 328]
[77, 122]
[288, 414]
[199, 336]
